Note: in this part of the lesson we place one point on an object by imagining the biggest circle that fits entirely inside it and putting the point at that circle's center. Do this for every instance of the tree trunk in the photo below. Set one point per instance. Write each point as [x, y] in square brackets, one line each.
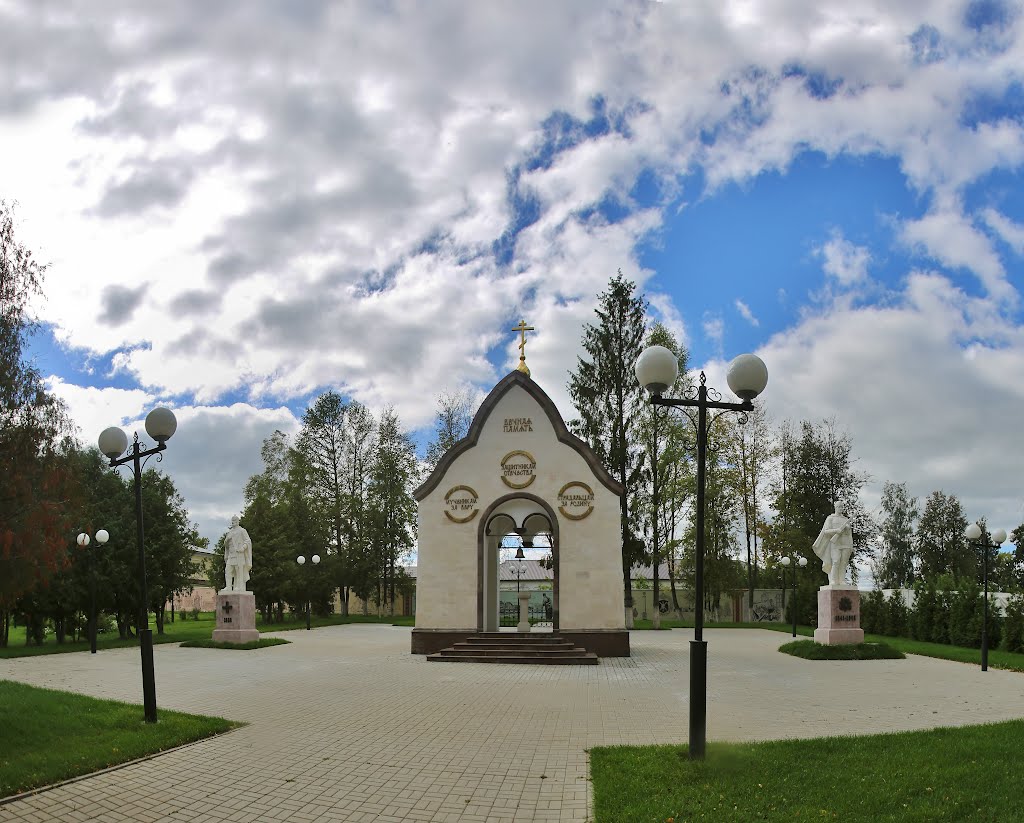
[5, 627]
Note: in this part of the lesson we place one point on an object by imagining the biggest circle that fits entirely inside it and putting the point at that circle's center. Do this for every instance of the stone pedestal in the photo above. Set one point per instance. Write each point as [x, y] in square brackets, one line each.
[838, 616]
[236, 618]
[524, 612]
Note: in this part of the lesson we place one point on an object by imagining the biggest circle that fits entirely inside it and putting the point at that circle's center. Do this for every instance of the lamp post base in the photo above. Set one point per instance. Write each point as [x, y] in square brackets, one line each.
[236, 618]
[698, 698]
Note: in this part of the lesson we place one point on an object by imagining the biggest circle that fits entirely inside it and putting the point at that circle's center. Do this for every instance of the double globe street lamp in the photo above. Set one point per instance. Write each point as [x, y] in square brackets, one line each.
[657, 369]
[102, 536]
[786, 562]
[974, 533]
[113, 442]
[301, 560]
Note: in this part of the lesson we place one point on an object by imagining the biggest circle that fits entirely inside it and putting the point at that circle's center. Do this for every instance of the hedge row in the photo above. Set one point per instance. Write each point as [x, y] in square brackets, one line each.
[941, 615]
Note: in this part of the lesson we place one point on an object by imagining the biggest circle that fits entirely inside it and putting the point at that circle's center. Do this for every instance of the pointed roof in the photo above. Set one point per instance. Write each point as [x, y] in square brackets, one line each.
[518, 378]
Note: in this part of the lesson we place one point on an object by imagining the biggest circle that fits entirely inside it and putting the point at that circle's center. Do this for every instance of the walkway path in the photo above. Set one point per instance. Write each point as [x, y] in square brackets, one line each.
[346, 725]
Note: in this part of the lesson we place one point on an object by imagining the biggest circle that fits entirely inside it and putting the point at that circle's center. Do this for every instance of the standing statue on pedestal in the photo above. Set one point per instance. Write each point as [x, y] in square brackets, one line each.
[237, 558]
[834, 546]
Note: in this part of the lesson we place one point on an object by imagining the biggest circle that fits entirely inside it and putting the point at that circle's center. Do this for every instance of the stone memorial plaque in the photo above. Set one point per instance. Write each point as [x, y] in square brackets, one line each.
[576, 500]
[518, 469]
[461, 504]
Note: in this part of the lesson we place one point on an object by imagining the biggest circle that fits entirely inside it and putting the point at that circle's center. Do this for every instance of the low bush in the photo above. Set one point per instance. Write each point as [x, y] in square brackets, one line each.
[809, 650]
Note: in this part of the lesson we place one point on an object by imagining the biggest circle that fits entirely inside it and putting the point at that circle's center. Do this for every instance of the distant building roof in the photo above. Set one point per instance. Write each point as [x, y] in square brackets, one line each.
[524, 570]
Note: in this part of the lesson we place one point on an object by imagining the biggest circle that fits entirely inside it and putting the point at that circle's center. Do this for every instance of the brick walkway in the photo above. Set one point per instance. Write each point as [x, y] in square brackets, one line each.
[346, 725]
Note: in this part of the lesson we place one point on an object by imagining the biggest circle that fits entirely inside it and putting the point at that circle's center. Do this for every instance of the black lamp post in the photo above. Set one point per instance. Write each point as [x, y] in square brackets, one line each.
[520, 556]
[113, 442]
[657, 369]
[974, 533]
[786, 562]
[301, 560]
[83, 540]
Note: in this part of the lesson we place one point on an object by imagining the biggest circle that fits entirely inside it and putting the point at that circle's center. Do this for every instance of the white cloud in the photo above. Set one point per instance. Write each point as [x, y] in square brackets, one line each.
[746, 313]
[946, 235]
[1011, 232]
[267, 201]
[843, 260]
[714, 329]
[928, 389]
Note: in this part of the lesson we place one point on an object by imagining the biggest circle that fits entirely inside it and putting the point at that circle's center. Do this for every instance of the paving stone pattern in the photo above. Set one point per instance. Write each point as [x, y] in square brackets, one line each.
[346, 725]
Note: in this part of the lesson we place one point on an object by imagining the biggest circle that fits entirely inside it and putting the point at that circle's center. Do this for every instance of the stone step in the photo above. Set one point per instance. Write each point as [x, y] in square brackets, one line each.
[586, 659]
[462, 644]
[517, 637]
[509, 647]
[535, 652]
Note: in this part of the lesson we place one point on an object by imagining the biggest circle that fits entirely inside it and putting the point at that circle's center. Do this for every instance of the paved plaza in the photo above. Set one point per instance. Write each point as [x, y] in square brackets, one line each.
[346, 725]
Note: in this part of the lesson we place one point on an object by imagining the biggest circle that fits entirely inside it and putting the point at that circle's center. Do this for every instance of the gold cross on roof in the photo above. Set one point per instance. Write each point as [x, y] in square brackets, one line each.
[522, 328]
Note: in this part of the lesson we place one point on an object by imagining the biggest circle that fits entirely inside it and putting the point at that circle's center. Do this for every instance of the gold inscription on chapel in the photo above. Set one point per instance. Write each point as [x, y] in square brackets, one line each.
[518, 469]
[461, 504]
[515, 425]
[576, 500]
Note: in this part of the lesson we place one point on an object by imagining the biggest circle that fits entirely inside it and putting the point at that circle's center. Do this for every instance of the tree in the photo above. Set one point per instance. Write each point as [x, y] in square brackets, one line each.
[940, 538]
[609, 401]
[756, 450]
[454, 415]
[896, 569]
[817, 472]
[171, 540]
[37, 485]
[665, 443]
[322, 446]
[1017, 538]
[393, 475]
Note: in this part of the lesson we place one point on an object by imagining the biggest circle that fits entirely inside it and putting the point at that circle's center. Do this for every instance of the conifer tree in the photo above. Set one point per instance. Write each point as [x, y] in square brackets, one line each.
[609, 402]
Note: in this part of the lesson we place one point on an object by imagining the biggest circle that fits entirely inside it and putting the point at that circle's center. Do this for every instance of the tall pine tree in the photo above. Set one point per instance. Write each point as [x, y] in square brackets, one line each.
[610, 402]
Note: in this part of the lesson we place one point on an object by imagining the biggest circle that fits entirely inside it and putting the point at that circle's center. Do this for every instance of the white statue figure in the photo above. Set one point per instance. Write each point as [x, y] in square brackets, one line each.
[834, 546]
[237, 558]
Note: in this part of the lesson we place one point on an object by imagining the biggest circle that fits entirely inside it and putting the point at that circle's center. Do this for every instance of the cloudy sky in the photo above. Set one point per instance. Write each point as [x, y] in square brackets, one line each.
[243, 205]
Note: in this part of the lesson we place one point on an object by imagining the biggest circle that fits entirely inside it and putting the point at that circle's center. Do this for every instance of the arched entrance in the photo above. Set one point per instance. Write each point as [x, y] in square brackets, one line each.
[527, 516]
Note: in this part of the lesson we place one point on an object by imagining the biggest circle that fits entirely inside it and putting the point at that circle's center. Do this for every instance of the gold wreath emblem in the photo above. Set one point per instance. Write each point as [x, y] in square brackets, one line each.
[576, 484]
[447, 500]
[511, 483]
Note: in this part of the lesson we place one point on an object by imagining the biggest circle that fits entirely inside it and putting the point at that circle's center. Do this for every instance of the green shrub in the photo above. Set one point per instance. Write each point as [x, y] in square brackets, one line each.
[1013, 625]
[809, 650]
[872, 613]
[929, 620]
[897, 616]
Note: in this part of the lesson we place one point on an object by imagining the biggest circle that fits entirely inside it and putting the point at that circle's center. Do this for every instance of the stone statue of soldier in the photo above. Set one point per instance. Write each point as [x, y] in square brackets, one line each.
[834, 546]
[237, 558]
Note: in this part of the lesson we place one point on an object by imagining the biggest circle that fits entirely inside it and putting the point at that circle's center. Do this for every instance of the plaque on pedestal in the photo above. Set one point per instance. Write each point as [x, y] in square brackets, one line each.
[838, 616]
[236, 618]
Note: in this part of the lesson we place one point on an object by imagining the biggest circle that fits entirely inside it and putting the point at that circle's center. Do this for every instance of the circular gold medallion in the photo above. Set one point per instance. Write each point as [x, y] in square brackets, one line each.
[518, 469]
[576, 500]
[461, 504]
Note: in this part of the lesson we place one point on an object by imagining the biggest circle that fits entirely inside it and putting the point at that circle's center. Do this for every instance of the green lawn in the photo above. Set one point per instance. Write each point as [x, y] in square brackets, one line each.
[997, 659]
[182, 630]
[969, 774]
[48, 736]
